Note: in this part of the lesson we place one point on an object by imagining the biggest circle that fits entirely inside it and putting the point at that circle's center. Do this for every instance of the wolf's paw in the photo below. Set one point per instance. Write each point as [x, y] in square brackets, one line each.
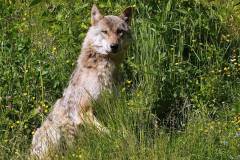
[104, 130]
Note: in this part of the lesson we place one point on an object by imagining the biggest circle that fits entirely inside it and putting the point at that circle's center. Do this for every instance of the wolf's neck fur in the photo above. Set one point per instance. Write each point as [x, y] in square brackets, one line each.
[94, 72]
[103, 65]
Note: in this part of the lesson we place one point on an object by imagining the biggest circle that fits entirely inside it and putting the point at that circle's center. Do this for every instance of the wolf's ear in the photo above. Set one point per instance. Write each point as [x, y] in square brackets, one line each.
[95, 15]
[127, 14]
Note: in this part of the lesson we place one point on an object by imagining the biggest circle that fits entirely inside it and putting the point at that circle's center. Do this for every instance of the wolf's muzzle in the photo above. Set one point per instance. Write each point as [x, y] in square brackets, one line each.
[114, 47]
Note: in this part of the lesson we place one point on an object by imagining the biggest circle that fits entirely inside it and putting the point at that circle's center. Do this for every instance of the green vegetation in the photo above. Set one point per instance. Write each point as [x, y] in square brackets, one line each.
[180, 98]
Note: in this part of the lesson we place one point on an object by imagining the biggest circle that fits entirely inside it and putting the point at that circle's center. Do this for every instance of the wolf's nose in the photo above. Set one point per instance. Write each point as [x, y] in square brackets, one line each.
[114, 46]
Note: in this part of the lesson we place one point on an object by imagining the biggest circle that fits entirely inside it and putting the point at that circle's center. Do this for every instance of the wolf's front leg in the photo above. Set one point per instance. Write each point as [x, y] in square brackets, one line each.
[99, 126]
[90, 119]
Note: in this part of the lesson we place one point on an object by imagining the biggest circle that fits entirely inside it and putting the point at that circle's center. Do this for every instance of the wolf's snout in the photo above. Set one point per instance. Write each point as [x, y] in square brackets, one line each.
[114, 47]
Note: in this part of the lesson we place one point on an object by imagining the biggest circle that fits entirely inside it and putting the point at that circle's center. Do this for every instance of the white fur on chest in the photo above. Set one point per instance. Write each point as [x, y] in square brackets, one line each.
[105, 72]
[91, 85]
[91, 82]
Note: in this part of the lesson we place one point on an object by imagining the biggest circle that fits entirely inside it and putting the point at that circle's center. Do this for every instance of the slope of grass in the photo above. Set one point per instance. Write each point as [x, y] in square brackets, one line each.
[180, 94]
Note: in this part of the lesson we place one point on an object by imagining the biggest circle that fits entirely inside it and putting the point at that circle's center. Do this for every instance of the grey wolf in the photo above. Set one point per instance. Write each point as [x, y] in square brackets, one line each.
[96, 71]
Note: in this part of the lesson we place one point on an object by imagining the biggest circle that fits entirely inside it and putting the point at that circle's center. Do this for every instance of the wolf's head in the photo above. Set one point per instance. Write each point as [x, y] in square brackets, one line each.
[109, 34]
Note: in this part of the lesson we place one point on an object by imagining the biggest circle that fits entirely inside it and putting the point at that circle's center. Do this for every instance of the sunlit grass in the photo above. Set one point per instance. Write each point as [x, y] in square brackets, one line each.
[179, 98]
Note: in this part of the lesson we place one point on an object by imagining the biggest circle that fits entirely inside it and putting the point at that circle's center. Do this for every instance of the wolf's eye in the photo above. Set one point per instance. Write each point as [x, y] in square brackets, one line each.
[104, 31]
[120, 31]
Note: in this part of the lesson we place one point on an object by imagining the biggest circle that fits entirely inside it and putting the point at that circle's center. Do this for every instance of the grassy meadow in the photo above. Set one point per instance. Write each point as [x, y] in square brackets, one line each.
[180, 94]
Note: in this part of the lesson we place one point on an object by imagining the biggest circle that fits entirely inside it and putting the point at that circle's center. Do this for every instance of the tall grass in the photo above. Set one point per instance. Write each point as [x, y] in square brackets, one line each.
[179, 98]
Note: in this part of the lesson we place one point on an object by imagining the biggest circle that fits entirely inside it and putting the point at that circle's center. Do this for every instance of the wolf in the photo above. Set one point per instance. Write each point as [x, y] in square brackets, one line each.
[97, 70]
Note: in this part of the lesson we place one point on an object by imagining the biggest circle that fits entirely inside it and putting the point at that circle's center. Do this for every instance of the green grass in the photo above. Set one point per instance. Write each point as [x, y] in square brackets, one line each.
[179, 98]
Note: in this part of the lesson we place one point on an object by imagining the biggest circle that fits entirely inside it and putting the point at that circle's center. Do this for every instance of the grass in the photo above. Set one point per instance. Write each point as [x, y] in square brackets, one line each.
[179, 98]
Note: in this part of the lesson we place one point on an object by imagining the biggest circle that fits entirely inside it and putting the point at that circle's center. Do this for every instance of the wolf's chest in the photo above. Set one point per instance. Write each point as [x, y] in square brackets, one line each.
[95, 82]
[105, 75]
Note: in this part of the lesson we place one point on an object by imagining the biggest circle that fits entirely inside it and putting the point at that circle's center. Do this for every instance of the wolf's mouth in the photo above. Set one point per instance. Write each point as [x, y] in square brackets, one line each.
[107, 51]
[114, 51]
